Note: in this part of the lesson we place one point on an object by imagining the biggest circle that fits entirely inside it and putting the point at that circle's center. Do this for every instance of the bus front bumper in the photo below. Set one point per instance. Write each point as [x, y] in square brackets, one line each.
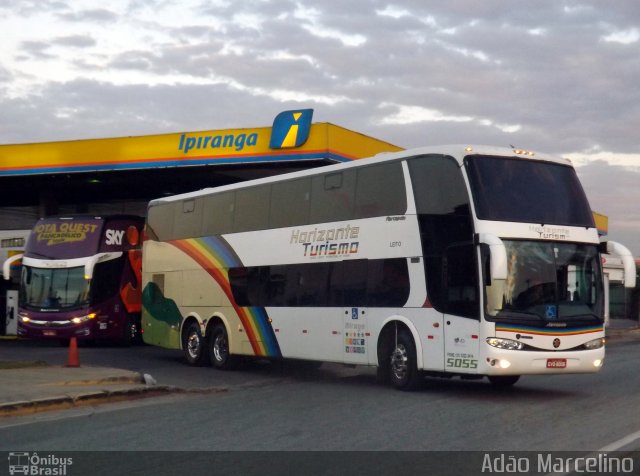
[36, 329]
[519, 362]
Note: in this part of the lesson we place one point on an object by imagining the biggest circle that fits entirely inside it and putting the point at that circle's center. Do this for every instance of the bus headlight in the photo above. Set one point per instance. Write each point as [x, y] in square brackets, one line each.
[506, 344]
[81, 319]
[594, 344]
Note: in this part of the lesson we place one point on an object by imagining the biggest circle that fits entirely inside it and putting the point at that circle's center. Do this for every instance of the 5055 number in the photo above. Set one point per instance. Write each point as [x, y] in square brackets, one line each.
[460, 363]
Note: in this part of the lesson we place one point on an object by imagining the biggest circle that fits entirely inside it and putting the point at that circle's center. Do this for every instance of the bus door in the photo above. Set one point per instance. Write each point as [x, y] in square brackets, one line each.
[356, 337]
[462, 309]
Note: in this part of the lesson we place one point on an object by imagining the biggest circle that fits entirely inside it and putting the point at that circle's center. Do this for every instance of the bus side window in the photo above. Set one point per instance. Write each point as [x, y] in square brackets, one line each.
[188, 219]
[388, 283]
[333, 197]
[252, 209]
[160, 221]
[218, 218]
[348, 283]
[380, 191]
[290, 203]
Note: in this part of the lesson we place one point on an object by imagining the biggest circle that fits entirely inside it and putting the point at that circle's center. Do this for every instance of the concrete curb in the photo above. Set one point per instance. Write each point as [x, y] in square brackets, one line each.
[139, 379]
[89, 398]
[63, 402]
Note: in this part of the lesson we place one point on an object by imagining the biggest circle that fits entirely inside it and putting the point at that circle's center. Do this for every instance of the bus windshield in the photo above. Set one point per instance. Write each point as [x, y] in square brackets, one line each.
[548, 281]
[529, 191]
[53, 289]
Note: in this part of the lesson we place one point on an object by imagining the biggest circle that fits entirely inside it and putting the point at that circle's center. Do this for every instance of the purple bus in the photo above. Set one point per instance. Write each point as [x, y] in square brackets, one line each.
[81, 278]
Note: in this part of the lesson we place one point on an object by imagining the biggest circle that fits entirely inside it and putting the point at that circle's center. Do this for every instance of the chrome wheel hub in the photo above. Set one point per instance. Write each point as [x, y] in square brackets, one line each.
[399, 361]
[193, 345]
[220, 348]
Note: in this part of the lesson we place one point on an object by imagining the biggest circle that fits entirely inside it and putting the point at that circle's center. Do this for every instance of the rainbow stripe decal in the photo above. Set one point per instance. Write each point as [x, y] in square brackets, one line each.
[216, 256]
[548, 331]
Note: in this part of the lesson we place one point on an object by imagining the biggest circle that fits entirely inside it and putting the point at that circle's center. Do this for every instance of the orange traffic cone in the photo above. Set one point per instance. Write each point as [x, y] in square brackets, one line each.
[74, 359]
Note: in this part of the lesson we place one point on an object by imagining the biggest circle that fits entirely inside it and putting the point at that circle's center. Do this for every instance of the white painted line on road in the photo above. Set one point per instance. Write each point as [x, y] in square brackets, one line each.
[615, 446]
[622, 442]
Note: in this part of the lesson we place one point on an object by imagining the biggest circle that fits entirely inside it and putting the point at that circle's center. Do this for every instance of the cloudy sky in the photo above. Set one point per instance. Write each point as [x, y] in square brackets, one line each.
[556, 76]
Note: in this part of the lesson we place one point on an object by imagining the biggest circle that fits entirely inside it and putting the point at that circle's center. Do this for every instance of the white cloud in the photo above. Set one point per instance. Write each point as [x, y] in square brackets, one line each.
[508, 128]
[576, 9]
[469, 53]
[393, 12]
[249, 20]
[312, 22]
[537, 31]
[416, 114]
[628, 160]
[281, 55]
[413, 114]
[625, 37]
[345, 38]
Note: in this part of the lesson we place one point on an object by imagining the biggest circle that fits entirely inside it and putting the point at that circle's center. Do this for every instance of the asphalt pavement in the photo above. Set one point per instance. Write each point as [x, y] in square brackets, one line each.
[29, 387]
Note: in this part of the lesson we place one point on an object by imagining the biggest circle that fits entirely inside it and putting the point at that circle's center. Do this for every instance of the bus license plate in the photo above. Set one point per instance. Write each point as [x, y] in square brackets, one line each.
[49, 333]
[556, 363]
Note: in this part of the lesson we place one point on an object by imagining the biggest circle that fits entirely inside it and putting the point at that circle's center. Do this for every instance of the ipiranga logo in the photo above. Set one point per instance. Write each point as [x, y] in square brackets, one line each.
[290, 129]
[217, 141]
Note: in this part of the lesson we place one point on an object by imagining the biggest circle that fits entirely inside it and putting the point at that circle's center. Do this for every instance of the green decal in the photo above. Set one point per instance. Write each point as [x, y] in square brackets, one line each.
[161, 318]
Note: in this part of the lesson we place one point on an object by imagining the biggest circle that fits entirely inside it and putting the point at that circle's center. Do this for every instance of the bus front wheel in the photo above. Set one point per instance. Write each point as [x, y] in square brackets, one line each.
[221, 358]
[403, 365]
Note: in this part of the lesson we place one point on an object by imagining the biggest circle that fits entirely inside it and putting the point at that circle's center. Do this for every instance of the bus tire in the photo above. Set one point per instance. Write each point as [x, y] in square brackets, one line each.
[403, 365]
[219, 349]
[194, 345]
[503, 381]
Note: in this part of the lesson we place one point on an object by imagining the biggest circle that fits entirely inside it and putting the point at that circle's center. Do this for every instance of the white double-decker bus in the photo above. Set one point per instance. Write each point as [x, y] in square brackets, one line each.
[468, 261]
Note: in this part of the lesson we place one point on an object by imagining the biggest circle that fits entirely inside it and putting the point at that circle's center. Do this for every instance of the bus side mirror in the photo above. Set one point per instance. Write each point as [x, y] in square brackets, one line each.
[628, 263]
[495, 270]
[6, 266]
[497, 255]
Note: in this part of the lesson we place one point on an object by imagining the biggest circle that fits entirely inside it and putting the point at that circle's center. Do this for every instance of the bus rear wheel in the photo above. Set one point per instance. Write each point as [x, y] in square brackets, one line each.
[221, 358]
[195, 350]
[403, 365]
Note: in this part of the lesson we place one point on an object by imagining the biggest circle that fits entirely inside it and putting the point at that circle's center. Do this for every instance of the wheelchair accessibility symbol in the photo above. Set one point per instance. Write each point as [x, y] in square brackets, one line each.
[551, 312]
